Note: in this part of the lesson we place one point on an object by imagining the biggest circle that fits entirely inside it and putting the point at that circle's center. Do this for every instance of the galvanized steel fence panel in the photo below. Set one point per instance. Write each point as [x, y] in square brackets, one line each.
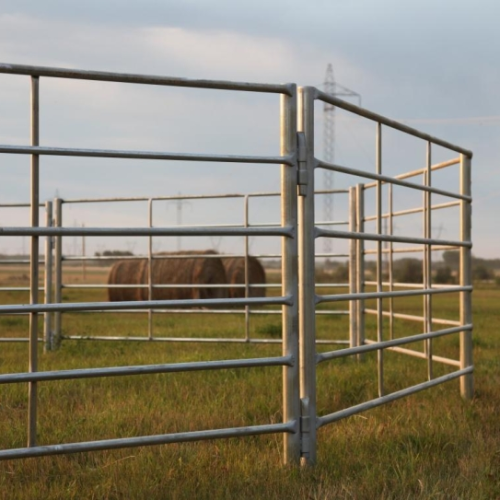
[357, 236]
[298, 232]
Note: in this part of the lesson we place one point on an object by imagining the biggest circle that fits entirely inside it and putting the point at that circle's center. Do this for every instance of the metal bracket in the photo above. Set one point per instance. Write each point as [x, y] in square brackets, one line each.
[302, 173]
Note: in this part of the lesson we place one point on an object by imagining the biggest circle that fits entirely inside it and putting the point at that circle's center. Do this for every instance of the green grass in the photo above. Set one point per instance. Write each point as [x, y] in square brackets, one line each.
[430, 445]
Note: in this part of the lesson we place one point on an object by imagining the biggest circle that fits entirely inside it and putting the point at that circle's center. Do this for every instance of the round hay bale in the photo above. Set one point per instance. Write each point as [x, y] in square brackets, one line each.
[125, 272]
[235, 272]
[185, 271]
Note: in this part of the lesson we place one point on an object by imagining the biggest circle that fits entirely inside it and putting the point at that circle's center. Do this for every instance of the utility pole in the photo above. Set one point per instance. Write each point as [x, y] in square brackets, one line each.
[335, 89]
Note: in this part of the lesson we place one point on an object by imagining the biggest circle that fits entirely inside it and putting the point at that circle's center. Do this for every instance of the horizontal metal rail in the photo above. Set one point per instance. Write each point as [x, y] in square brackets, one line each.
[422, 355]
[335, 101]
[98, 286]
[390, 180]
[18, 289]
[332, 255]
[332, 223]
[410, 211]
[180, 437]
[20, 205]
[382, 295]
[179, 197]
[187, 197]
[353, 410]
[143, 155]
[167, 81]
[177, 285]
[117, 306]
[405, 285]
[16, 261]
[332, 233]
[216, 311]
[18, 339]
[420, 171]
[199, 340]
[115, 371]
[146, 231]
[411, 317]
[434, 248]
[78, 258]
[376, 346]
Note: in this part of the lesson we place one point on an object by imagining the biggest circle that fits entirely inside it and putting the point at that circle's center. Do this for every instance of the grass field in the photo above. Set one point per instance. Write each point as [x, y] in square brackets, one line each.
[430, 445]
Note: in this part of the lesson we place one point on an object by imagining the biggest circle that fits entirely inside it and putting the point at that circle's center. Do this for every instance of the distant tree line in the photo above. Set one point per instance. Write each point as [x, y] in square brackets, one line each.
[113, 253]
[410, 270]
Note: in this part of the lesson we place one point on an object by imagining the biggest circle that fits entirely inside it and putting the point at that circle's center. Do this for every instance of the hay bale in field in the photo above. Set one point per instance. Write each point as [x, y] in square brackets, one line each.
[185, 271]
[235, 272]
[125, 272]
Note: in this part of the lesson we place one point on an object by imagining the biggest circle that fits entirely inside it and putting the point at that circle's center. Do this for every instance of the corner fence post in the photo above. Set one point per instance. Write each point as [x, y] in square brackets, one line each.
[47, 288]
[307, 292]
[34, 259]
[150, 271]
[360, 228]
[247, 271]
[353, 271]
[291, 395]
[467, 381]
[380, 288]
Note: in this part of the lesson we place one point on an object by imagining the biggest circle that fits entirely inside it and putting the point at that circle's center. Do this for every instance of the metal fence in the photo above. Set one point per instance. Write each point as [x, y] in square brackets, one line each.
[55, 335]
[299, 298]
[357, 235]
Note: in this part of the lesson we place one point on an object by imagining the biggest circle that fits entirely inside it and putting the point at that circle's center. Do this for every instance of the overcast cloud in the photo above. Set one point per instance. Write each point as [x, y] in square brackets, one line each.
[432, 64]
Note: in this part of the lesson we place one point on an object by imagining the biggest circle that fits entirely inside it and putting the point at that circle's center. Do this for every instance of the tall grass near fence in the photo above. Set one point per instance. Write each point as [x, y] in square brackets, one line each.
[430, 445]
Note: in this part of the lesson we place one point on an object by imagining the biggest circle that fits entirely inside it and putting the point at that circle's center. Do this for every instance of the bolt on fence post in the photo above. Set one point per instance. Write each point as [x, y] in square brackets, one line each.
[360, 228]
[47, 289]
[353, 271]
[466, 359]
[34, 259]
[289, 278]
[307, 292]
[58, 216]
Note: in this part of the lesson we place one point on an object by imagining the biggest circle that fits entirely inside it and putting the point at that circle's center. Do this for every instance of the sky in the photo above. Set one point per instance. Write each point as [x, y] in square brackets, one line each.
[432, 65]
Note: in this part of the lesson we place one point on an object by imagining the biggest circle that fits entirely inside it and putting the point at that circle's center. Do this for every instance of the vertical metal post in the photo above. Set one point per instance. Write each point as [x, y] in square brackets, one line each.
[466, 360]
[247, 273]
[58, 260]
[380, 318]
[390, 270]
[291, 394]
[360, 228]
[353, 271]
[84, 262]
[34, 259]
[428, 263]
[47, 288]
[150, 270]
[307, 293]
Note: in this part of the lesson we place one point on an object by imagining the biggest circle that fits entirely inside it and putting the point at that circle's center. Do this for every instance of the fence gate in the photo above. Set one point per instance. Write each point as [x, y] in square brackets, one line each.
[299, 298]
[385, 340]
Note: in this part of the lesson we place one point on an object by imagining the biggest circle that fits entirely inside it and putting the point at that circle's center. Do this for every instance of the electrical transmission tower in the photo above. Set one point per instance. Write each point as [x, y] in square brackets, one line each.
[179, 205]
[335, 89]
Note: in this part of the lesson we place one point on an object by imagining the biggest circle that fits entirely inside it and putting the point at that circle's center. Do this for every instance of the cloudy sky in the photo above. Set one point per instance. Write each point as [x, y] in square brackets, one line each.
[433, 65]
